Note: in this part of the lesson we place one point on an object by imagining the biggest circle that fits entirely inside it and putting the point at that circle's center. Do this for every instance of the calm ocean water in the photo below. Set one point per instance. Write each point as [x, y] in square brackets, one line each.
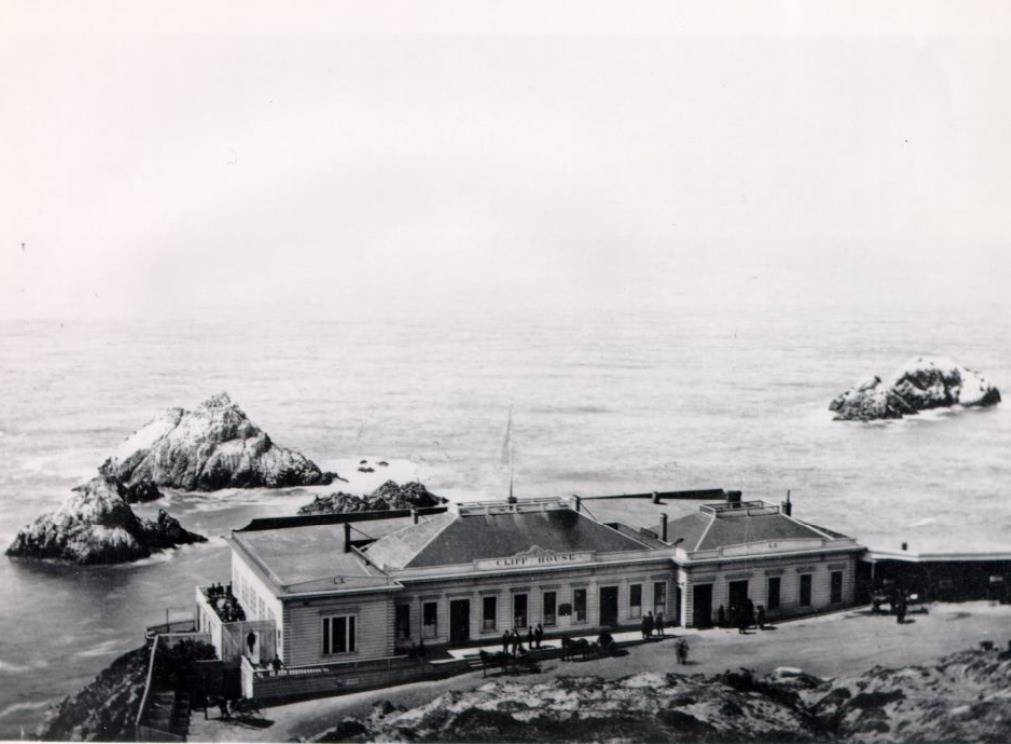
[723, 396]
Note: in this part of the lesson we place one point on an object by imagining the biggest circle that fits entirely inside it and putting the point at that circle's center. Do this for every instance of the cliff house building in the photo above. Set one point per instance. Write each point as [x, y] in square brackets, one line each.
[332, 604]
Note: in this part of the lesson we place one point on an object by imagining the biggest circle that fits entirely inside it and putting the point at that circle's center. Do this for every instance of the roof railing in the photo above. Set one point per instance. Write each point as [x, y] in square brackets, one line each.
[520, 506]
[739, 509]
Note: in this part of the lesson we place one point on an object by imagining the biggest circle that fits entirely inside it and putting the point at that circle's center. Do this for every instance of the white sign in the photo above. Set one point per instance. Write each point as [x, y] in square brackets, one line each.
[538, 560]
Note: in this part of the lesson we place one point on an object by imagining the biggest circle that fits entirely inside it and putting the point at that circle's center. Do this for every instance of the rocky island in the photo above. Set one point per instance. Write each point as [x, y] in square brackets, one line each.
[96, 525]
[921, 384]
[389, 496]
[214, 446]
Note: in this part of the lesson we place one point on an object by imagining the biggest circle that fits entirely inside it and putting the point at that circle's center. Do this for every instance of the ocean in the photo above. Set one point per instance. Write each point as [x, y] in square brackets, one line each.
[721, 394]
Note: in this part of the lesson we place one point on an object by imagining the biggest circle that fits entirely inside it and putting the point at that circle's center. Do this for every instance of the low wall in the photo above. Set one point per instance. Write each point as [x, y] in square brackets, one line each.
[297, 683]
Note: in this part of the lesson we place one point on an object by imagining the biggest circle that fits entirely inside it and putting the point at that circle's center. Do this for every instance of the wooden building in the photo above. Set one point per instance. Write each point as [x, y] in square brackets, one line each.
[334, 595]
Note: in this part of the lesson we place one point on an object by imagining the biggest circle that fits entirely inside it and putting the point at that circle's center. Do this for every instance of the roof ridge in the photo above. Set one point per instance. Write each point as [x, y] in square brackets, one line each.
[405, 528]
[702, 537]
[819, 530]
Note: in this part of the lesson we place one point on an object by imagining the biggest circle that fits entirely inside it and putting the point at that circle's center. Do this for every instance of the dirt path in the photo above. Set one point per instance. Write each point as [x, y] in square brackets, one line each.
[842, 643]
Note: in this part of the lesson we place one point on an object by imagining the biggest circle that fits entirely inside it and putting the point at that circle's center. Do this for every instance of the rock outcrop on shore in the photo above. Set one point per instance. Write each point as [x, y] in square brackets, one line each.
[212, 447]
[106, 709]
[96, 525]
[920, 384]
[962, 698]
[388, 496]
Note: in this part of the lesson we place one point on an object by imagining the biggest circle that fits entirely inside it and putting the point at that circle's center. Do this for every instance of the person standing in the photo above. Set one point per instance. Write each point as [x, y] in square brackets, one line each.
[658, 623]
[506, 639]
[539, 634]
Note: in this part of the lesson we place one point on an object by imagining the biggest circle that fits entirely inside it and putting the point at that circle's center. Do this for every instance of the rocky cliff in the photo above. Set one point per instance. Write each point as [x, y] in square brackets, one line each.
[388, 496]
[96, 525]
[105, 710]
[964, 698]
[214, 446]
[921, 384]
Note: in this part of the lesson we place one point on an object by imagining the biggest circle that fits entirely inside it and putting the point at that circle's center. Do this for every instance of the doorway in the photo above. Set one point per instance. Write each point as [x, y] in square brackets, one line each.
[702, 605]
[738, 594]
[609, 606]
[459, 621]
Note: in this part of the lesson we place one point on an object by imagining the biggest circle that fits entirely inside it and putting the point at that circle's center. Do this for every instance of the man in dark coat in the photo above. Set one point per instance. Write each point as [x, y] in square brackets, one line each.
[539, 635]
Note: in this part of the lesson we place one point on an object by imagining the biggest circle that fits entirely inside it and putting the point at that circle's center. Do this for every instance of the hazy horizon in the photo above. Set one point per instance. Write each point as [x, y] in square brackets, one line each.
[208, 166]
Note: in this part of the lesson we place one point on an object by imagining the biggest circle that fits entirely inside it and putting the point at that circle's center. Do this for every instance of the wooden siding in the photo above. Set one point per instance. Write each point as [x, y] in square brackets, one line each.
[758, 573]
[303, 627]
[504, 589]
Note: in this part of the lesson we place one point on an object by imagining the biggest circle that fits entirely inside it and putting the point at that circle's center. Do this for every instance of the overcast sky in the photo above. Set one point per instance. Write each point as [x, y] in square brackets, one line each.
[317, 159]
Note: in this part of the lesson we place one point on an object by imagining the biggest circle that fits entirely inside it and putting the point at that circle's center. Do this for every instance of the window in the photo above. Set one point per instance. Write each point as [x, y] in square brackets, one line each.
[635, 600]
[550, 602]
[403, 622]
[430, 620]
[805, 590]
[660, 598]
[519, 610]
[772, 600]
[339, 635]
[835, 587]
[579, 605]
[489, 612]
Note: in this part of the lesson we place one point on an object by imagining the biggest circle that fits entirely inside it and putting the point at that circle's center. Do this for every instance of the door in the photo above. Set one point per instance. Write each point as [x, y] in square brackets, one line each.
[609, 606]
[459, 621]
[738, 591]
[702, 605]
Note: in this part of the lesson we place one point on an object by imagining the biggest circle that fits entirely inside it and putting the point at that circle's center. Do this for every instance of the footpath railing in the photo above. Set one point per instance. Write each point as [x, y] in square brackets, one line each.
[161, 716]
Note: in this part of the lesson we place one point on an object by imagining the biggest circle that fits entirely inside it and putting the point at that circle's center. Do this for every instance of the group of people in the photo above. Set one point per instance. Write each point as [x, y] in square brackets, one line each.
[224, 603]
[741, 617]
[513, 643]
[417, 651]
[651, 623]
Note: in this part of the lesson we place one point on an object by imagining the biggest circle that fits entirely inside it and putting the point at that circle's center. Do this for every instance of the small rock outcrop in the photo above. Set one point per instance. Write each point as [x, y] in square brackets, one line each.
[212, 447]
[96, 525]
[388, 496]
[921, 384]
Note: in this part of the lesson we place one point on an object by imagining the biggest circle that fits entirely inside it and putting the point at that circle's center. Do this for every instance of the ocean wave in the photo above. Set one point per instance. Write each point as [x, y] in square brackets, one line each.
[15, 707]
[8, 667]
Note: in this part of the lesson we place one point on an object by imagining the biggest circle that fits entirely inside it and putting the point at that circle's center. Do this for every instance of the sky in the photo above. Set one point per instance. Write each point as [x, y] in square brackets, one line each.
[337, 159]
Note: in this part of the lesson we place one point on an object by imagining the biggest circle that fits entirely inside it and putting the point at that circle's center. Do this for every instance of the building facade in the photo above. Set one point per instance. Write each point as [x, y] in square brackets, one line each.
[332, 594]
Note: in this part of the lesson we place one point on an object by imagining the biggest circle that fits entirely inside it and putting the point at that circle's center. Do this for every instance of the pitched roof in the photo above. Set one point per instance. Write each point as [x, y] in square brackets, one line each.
[449, 539]
[708, 531]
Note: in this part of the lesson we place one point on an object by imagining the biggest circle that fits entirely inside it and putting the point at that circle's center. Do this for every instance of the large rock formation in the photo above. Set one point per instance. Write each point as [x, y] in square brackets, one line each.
[96, 525]
[922, 383]
[388, 496]
[214, 446]
[963, 698]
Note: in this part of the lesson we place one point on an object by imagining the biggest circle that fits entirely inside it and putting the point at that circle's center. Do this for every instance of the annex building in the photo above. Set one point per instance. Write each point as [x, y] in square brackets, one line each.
[329, 596]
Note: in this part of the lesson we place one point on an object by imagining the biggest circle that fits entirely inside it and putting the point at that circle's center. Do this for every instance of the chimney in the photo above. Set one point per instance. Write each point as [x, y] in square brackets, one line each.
[734, 498]
[347, 537]
[579, 505]
[663, 526]
[787, 506]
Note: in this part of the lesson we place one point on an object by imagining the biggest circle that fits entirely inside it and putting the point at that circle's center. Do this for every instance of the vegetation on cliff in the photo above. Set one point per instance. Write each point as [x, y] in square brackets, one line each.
[105, 710]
